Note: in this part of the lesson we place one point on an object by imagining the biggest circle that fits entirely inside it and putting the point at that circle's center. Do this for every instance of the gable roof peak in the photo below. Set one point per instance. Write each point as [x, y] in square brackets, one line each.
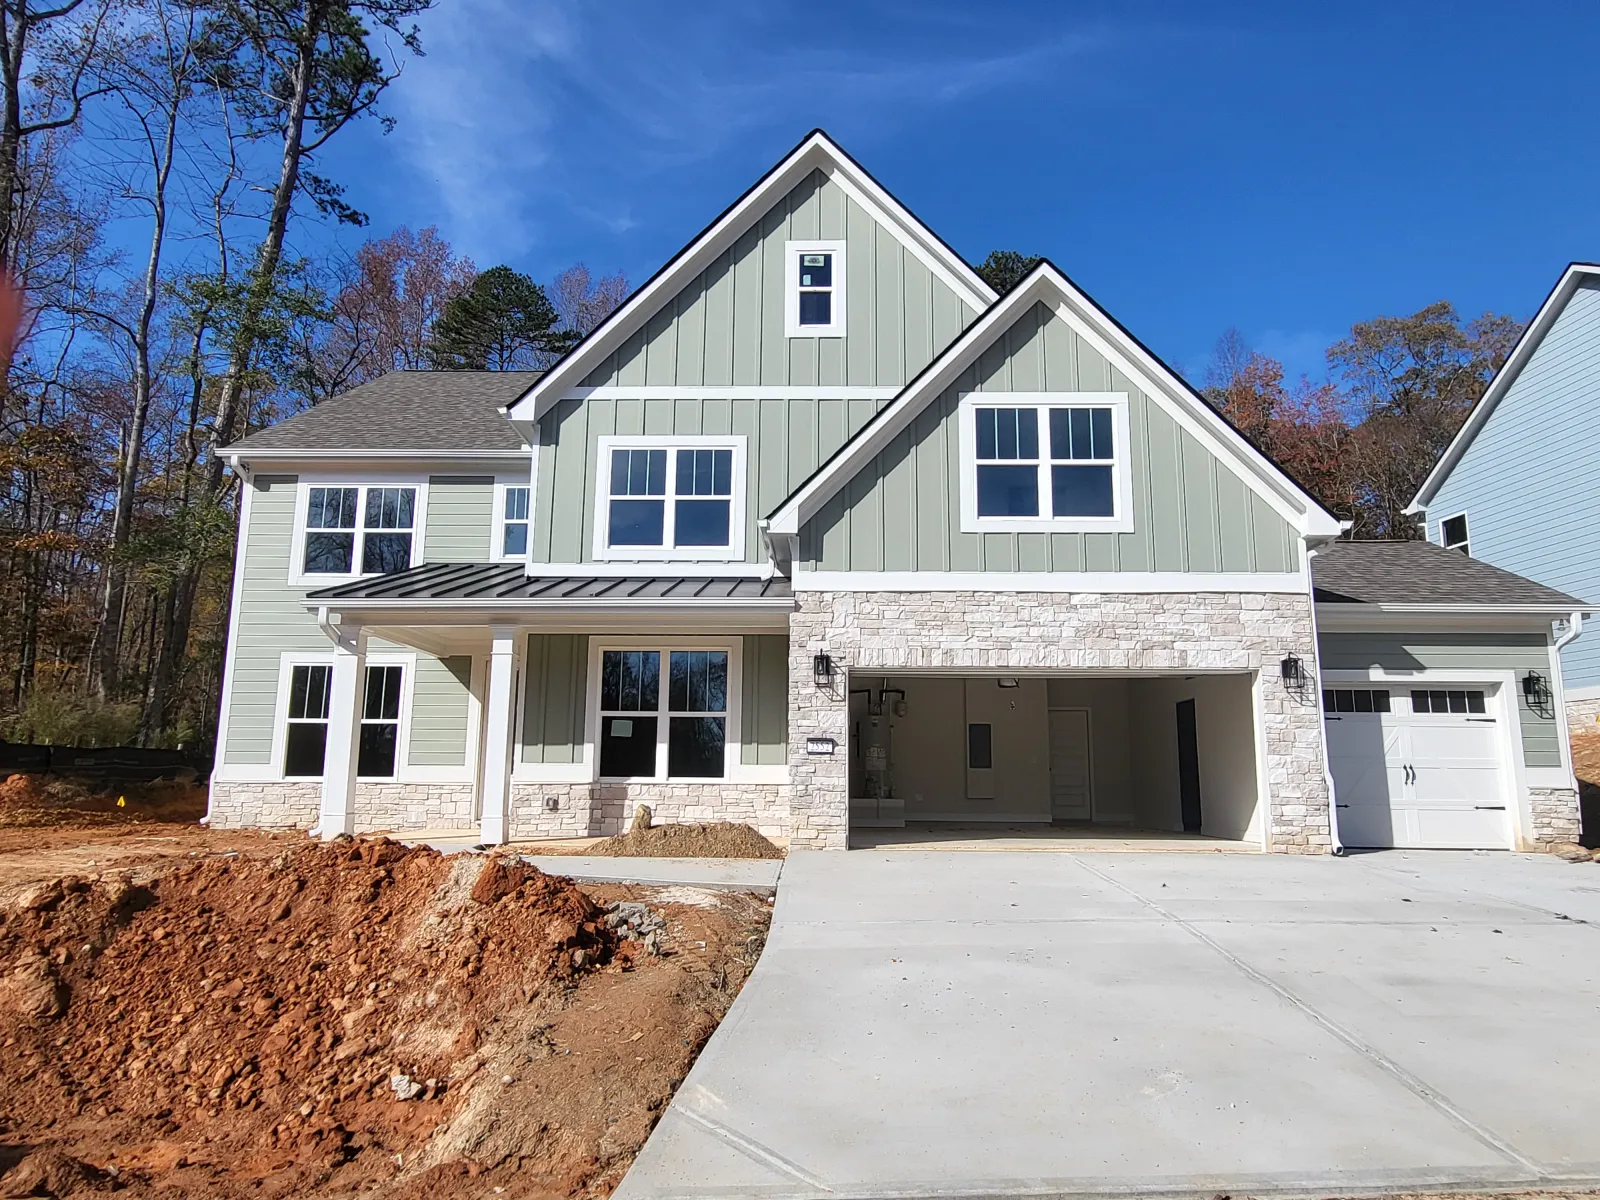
[817, 150]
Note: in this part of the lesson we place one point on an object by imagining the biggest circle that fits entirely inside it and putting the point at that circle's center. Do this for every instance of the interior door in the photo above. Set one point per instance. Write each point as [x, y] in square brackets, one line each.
[1070, 778]
[1188, 767]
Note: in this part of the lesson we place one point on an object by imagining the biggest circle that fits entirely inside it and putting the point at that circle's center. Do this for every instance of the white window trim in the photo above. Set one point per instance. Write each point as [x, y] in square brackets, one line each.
[498, 535]
[302, 505]
[737, 518]
[290, 659]
[1121, 520]
[732, 739]
[791, 288]
[1466, 546]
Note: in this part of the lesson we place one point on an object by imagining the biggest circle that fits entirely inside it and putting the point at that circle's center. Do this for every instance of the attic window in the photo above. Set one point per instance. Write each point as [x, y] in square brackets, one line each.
[1453, 533]
[814, 279]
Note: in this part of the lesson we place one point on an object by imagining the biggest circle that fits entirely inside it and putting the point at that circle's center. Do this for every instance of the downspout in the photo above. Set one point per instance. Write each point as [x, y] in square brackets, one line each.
[1574, 629]
[1336, 845]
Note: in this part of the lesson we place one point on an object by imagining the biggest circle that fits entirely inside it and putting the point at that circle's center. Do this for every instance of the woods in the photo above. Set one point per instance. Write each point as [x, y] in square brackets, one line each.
[189, 274]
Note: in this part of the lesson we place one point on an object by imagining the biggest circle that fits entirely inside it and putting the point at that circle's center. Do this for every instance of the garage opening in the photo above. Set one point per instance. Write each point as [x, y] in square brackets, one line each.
[948, 759]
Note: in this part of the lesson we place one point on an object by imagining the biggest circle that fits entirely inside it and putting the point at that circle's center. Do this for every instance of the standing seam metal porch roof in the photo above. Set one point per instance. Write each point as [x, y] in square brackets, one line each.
[509, 581]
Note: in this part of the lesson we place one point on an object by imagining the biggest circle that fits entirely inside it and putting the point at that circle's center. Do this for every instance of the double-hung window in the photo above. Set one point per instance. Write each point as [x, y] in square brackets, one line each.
[380, 723]
[1048, 462]
[366, 530]
[513, 537]
[681, 500]
[305, 740]
[814, 284]
[674, 728]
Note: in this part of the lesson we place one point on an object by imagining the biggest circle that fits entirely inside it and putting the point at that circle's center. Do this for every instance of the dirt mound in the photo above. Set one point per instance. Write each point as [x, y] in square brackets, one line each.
[45, 800]
[1586, 764]
[712, 840]
[296, 1021]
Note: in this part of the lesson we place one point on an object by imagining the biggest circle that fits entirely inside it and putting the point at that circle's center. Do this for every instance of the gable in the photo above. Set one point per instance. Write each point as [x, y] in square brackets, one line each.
[726, 327]
[714, 316]
[1191, 510]
[1119, 353]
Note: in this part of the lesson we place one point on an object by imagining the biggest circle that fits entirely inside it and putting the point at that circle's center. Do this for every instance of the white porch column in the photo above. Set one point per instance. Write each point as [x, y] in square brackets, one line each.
[499, 709]
[344, 731]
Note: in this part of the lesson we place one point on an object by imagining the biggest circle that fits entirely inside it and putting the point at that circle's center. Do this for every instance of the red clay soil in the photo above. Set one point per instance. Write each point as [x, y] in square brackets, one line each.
[239, 1026]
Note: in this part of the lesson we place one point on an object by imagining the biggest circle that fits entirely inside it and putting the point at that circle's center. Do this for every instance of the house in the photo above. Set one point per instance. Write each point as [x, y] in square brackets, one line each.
[1529, 439]
[818, 533]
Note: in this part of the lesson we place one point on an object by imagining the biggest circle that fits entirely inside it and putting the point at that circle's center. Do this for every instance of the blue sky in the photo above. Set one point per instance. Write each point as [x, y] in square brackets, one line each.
[1285, 168]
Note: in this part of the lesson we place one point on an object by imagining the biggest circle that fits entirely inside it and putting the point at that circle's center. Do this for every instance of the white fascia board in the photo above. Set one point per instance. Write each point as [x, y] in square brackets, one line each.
[1570, 279]
[818, 151]
[282, 457]
[1058, 582]
[1048, 285]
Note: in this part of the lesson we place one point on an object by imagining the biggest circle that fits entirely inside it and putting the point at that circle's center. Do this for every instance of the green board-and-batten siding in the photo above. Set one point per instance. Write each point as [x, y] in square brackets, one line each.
[785, 441]
[554, 699]
[1191, 512]
[764, 711]
[460, 519]
[726, 327]
[1498, 652]
[440, 701]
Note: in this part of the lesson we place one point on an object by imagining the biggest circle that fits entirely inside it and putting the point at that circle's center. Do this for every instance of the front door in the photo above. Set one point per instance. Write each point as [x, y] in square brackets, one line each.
[1188, 767]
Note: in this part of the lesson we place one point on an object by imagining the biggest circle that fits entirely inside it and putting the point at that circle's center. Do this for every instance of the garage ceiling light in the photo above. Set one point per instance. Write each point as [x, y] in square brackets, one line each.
[1008, 682]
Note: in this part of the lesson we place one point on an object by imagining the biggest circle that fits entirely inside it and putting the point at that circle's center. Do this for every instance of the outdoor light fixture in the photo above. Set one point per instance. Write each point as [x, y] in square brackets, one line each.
[1008, 682]
[822, 670]
[1294, 673]
[1535, 689]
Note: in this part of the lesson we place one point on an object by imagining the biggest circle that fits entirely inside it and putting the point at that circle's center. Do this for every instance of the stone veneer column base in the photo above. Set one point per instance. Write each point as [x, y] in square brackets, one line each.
[605, 809]
[281, 805]
[1152, 633]
[1554, 813]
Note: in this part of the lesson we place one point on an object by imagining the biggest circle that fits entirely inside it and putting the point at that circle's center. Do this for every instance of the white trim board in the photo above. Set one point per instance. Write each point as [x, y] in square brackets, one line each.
[1571, 279]
[1062, 582]
[752, 391]
[235, 605]
[1048, 285]
[816, 152]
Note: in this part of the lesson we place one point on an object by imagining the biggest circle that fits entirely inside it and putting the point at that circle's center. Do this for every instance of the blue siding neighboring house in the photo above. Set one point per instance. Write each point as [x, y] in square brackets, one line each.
[1525, 469]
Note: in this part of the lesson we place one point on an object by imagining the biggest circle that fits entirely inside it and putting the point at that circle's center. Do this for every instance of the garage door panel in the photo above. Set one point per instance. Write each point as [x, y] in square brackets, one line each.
[1422, 780]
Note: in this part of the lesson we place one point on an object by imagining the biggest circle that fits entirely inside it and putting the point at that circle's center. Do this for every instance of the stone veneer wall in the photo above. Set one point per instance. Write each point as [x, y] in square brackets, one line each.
[1582, 715]
[885, 632]
[1554, 813]
[604, 809]
[296, 804]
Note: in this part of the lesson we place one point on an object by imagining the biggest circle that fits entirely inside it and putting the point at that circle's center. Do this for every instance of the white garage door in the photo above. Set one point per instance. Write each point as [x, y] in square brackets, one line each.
[1417, 768]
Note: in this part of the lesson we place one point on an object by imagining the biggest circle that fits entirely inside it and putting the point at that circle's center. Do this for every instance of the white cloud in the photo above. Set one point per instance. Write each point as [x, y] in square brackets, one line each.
[526, 117]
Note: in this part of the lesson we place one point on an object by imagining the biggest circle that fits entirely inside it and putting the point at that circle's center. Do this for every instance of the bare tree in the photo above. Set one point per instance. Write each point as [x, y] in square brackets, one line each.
[582, 302]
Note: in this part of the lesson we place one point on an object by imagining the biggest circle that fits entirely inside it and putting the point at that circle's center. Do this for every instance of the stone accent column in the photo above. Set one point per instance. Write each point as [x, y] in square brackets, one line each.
[499, 738]
[1554, 816]
[819, 802]
[336, 813]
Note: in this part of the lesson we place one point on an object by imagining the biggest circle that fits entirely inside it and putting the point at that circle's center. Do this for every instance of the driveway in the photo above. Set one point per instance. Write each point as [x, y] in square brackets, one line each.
[1034, 1024]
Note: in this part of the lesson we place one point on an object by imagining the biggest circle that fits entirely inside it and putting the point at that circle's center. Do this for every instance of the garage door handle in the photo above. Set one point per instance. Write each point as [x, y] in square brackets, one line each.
[1490, 807]
[1482, 720]
[1341, 806]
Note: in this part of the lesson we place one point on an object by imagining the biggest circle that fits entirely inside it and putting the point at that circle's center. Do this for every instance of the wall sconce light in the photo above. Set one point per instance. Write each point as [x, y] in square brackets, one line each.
[1535, 689]
[822, 670]
[1294, 673]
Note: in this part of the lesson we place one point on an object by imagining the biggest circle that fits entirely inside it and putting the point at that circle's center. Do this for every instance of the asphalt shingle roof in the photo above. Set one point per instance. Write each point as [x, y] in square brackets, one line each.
[507, 581]
[405, 410]
[1419, 573]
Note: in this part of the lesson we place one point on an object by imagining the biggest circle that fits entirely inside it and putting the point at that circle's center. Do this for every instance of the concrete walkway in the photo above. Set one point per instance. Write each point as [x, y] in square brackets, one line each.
[1062, 1024]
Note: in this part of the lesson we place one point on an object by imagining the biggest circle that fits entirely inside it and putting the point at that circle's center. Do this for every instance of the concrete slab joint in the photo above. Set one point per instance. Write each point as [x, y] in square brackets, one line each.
[1173, 633]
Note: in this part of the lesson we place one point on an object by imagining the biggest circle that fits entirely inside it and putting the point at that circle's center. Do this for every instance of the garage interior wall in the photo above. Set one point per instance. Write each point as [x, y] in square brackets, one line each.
[1133, 747]
[1226, 739]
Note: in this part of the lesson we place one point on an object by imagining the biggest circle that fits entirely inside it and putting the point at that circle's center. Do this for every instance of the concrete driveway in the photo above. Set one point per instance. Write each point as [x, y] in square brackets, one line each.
[1039, 1024]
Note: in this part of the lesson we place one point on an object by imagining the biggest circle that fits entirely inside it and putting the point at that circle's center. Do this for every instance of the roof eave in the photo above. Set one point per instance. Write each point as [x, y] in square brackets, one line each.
[1503, 379]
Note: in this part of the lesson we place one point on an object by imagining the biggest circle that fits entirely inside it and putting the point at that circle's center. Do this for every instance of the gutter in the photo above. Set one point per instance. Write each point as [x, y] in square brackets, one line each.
[1574, 629]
